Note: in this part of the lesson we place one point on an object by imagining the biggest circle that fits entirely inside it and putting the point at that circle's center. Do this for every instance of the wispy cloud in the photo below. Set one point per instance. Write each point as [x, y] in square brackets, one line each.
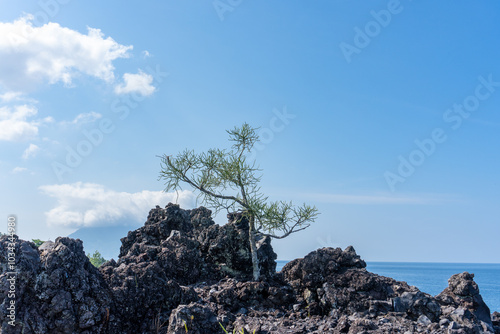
[18, 170]
[88, 204]
[84, 118]
[140, 83]
[11, 96]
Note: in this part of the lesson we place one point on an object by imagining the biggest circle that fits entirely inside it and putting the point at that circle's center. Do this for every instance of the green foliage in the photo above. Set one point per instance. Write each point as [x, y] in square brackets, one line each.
[37, 242]
[225, 179]
[97, 260]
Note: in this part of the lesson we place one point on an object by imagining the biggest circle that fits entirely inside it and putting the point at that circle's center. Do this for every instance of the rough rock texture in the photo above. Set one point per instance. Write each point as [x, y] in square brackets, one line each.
[228, 247]
[495, 319]
[462, 294]
[175, 247]
[182, 272]
[191, 247]
[196, 318]
[57, 290]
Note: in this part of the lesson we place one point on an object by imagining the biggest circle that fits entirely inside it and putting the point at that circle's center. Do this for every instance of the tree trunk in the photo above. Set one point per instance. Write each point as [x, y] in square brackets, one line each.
[253, 249]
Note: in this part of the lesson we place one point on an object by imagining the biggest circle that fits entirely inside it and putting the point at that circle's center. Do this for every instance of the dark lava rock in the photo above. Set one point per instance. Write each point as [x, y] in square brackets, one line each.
[158, 226]
[176, 248]
[495, 320]
[181, 273]
[57, 290]
[314, 268]
[228, 248]
[193, 318]
[417, 304]
[463, 295]
[191, 247]
[231, 295]
[331, 279]
[143, 296]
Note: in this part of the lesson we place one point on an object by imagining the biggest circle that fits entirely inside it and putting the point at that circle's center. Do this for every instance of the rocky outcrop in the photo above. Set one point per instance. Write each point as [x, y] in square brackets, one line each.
[176, 248]
[191, 247]
[463, 303]
[193, 318]
[57, 289]
[182, 272]
[495, 320]
[228, 247]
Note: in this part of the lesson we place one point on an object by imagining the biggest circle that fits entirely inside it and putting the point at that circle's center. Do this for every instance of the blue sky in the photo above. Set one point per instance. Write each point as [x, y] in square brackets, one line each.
[383, 114]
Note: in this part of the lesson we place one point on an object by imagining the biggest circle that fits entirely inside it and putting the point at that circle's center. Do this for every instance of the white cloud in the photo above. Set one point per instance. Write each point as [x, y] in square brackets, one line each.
[51, 53]
[84, 118]
[146, 54]
[87, 204]
[31, 151]
[136, 83]
[17, 170]
[11, 96]
[15, 124]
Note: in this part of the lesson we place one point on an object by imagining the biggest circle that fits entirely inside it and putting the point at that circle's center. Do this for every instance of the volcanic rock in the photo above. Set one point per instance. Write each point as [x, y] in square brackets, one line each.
[462, 294]
[57, 291]
[182, 272]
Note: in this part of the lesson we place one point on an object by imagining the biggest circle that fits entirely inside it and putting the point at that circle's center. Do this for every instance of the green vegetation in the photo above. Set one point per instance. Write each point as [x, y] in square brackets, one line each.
[37, 242]
[97, 260]
[226, 180]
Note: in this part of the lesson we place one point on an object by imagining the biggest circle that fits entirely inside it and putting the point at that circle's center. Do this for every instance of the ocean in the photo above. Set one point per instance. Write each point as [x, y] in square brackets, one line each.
[432, 278]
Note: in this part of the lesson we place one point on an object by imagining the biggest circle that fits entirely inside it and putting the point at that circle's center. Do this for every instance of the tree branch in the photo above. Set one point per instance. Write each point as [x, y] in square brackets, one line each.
[186, 179]
[286, 234]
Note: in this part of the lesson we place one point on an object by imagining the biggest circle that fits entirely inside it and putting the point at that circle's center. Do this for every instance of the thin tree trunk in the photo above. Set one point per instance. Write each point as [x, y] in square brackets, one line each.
[253, 249]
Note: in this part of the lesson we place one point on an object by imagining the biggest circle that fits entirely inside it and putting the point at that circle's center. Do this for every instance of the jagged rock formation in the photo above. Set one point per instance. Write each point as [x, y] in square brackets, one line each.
[57, 289]
[182, 271]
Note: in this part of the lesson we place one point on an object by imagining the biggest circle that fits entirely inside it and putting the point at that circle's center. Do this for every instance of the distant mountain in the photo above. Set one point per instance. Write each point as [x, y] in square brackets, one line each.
[105, 239]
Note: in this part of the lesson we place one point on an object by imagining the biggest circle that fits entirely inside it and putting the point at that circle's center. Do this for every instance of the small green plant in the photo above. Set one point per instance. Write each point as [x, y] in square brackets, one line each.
[97, 260]
[242, 331]
[37, 242]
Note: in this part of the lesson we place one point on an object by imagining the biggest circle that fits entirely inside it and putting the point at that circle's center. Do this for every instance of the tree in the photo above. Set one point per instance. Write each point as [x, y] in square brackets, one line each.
[226, 180]
[97, 260]
[37, 242]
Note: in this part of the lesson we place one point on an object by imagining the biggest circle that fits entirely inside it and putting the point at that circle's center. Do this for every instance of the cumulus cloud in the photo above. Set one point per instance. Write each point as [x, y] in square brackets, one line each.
[17, 123]
[140, 83]
[31, 151]
[88, 204]
[51, 53]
